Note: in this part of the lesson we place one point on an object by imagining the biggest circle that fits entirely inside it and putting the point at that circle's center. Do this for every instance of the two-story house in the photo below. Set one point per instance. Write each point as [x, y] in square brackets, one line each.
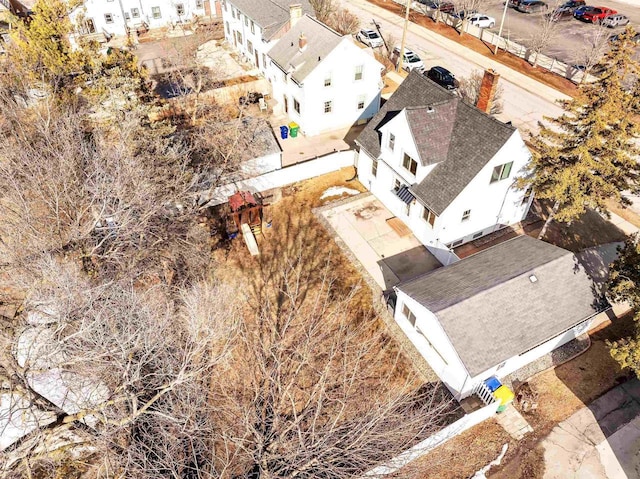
[116, 17]
[322, 80]
[253, 27]
[444, 167]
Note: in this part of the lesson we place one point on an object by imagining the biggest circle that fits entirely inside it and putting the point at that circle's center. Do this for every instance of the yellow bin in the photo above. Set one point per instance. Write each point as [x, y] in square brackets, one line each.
[505, 396]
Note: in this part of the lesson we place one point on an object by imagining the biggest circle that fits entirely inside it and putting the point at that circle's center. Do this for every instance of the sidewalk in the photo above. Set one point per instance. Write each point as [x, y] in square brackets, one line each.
[523, 81]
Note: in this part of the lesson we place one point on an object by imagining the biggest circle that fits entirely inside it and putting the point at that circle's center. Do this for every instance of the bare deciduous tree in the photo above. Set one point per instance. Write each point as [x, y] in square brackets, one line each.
[466, 8]
[545, 32]
[592, 51]
[344, 22]
[324, 9]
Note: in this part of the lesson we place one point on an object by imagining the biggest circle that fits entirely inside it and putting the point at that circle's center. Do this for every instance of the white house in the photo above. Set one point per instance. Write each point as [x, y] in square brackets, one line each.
[497, 310]
[253, 27]
[114, 17]
[446, 168]
[322, 80]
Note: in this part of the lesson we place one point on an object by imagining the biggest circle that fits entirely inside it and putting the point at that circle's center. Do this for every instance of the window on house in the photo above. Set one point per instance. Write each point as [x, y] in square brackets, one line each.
[429, 216]
[250, 47]
[296, 106]
[253, 27]
[358, 73]
[328, 106]
[327, 80]
[407, 313]
[361, 100]
[155, 12]
[392, 141]
[374, 168]
[127, 16]
[108, 18]
[198, 3]
[89, 26]
[396, 184]
[501, 172]
[246, 21]
[226, 25]
[233, 12]
[239, 37]
[264, 61]
[180, 9]
[409, 164]
[477, 235]
[135, 12]
[466, 214]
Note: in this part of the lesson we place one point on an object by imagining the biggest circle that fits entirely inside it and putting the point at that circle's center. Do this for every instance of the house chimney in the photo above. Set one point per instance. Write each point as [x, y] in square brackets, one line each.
[295, 14]
[487, 90]
[302, 42]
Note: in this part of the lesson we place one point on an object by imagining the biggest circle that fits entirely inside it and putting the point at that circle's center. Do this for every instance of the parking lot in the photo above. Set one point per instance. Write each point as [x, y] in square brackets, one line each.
[571, 41]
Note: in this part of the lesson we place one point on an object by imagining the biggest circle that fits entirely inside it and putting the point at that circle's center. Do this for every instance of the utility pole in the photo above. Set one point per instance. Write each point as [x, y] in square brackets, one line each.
[504, 14]
[404, 35]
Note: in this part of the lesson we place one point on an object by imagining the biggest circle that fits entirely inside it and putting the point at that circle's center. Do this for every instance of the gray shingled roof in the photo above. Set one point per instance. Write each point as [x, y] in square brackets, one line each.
[473, 140]
[270, 15]
[431, 128]
[492, 311]
[321, 40]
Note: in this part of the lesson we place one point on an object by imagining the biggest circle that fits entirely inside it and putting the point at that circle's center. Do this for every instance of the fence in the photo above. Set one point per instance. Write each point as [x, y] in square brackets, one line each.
[281, 177]
[465, 422]
[543, 61]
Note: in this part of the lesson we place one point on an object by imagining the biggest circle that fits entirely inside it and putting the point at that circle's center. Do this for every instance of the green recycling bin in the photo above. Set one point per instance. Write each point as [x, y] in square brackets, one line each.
[293, 129]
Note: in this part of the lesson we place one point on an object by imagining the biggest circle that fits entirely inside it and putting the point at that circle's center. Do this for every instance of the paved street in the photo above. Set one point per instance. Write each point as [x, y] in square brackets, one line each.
[601, 441]
[525, 100]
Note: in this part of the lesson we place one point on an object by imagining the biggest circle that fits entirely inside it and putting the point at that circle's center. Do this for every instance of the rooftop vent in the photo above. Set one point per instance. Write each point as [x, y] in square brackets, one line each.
[533, 278]
[430, 109]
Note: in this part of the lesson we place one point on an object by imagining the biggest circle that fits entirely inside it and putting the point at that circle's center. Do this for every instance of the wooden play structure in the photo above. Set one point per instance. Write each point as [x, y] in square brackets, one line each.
[246, 218]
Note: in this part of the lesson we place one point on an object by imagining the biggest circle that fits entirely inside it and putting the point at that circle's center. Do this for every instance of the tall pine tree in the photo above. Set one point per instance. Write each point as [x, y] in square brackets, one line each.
[588, 154]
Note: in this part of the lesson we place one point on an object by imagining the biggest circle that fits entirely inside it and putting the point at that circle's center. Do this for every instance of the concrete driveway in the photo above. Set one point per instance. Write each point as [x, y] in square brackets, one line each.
[601, 441]
[362, 224]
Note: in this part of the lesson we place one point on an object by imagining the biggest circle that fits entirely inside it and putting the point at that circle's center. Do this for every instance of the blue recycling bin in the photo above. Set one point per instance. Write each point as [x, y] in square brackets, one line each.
[284, 132]
[493, 383]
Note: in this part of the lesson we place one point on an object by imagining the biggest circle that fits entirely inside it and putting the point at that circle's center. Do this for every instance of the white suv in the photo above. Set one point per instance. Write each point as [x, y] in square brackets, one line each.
[369, 37]
[411, 60]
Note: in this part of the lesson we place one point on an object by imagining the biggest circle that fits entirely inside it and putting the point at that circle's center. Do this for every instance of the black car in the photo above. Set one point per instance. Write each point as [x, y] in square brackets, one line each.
[573, 4]
[444, 7]
[532, 6]
[442, 77]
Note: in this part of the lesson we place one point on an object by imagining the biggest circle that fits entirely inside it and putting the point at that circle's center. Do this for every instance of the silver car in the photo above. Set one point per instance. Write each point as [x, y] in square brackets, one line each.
[615, 20]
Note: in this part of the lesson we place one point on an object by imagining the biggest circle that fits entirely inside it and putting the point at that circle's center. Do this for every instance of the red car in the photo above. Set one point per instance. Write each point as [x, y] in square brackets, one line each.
[597, 14]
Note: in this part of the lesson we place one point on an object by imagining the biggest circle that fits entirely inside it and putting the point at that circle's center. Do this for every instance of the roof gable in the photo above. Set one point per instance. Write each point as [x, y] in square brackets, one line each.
[491, 309]
[469, 137]
[321, 41]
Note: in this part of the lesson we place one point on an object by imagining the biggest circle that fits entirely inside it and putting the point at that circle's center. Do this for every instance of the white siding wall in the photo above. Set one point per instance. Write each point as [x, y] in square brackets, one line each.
[491, 204]
[251, 36]
[97, 10]
[433, 344]
[344, 91]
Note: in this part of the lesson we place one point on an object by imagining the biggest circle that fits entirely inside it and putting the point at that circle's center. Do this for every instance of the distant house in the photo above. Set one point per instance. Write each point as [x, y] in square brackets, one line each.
[444, 167]
[322, 80]
[496, 311]
[253, 27]
[117, 17]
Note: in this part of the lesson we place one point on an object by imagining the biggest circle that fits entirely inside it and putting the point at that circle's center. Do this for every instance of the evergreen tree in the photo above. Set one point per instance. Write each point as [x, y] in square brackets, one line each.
[624, 285]
[588, 154]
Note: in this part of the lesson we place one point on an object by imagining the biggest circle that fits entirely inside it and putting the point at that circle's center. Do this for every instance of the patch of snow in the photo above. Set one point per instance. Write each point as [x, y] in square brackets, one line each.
[338, 191]
[482, 473]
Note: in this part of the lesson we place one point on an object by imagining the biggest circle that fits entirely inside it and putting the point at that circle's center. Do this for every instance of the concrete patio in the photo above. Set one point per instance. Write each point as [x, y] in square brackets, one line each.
[362, 223]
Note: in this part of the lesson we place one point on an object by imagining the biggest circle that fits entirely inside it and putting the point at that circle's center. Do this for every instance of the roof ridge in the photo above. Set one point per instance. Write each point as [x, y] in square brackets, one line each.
[431, 105]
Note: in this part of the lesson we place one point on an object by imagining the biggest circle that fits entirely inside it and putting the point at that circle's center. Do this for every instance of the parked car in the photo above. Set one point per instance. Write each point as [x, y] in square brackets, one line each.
[515, 3]
[616, 20]
[411, 60]
[579, 12]
[369, 37]
[560, 13]
[635, 39]
[573, 4]
[482, 21]
[597, 14]
[442, 77]
[444, 7]
[532, 6]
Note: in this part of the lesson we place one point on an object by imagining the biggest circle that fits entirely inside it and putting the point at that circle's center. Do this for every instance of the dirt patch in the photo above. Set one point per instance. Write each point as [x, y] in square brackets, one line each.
[462, 456]
[469, 41]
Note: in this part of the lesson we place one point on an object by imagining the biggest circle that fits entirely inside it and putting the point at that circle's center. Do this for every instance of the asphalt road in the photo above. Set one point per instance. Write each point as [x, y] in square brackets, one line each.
[523, 106]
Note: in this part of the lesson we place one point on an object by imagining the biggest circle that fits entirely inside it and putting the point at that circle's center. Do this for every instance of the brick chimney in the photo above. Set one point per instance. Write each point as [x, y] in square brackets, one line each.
[295, 14]
[302, 42]
[487, 90]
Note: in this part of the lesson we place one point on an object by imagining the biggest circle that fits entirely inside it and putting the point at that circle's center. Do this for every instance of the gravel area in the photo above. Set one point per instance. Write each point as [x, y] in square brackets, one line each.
[555, 358]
